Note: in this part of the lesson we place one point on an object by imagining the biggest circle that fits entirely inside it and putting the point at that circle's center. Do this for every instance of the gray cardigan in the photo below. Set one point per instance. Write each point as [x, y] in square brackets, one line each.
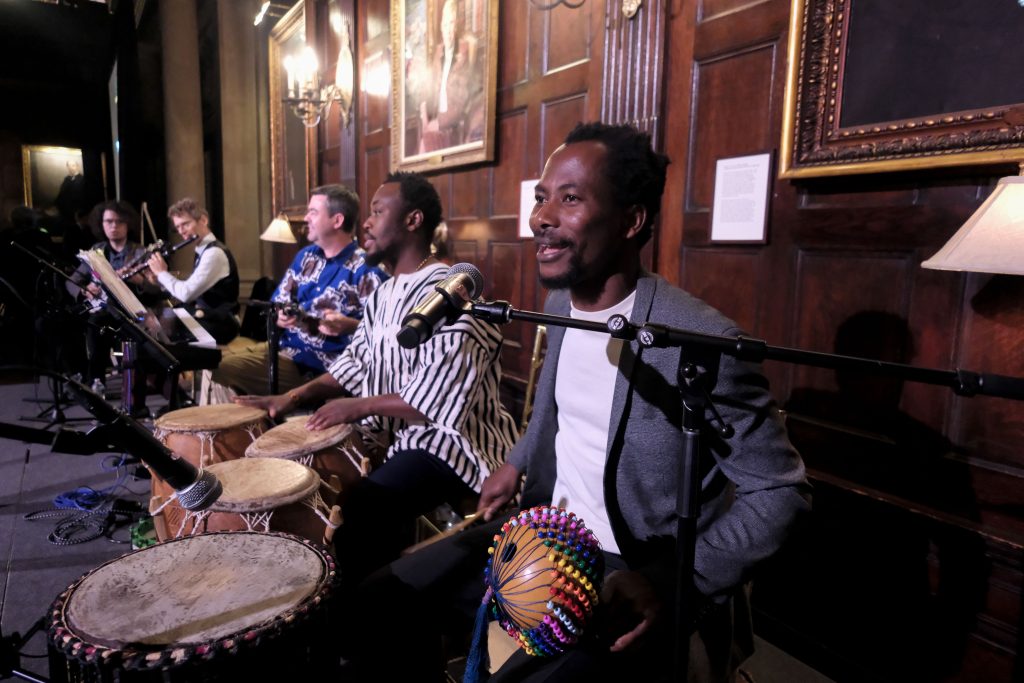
[753, 484]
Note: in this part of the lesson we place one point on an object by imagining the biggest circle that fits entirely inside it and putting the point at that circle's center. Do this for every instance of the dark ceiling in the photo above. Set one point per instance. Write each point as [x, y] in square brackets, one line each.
[55, 61]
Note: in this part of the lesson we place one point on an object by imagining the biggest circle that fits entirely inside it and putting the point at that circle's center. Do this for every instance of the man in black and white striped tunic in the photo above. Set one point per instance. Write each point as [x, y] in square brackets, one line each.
[437, 405]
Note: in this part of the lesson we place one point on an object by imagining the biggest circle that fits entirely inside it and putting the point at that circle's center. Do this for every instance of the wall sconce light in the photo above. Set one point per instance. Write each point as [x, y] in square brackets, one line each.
[310, 101]
[279, 230]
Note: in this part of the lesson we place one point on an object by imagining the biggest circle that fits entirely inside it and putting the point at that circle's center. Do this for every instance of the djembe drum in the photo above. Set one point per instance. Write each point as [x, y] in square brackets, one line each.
[264, 494]
[201, 435]
[543, 578]
[212, 607]
[343, 451]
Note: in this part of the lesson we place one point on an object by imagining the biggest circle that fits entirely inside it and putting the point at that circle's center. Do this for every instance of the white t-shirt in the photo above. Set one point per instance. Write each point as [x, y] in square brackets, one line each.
[584, 387]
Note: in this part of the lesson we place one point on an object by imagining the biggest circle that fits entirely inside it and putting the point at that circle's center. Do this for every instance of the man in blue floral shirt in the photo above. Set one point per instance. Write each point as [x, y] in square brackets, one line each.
[321, 301]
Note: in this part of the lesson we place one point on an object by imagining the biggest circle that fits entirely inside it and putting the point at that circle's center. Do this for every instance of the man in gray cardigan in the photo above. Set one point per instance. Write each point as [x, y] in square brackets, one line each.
[605, 441]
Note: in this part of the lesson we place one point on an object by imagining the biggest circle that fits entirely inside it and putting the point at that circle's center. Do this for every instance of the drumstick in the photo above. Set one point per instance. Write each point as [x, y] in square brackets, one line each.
[467, 522]
[334, 523]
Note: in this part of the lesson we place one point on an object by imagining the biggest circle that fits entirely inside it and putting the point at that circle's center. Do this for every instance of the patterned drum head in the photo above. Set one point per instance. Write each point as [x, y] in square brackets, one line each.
[253, 485]
[191, 596]
[292, 440]
[209, 418]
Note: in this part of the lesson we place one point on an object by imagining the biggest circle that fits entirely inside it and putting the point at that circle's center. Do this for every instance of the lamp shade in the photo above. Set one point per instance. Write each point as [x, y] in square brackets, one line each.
[279, 231]
[992, 240]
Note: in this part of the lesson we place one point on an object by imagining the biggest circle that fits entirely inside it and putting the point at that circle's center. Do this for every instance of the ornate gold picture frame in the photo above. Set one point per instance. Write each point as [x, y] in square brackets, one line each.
[444, 69]
[889, 86]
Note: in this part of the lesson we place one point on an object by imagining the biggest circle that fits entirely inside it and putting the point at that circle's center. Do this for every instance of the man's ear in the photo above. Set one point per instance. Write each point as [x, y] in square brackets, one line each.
[338, 221]
[204, 221]
[635, 218]
[413, 220]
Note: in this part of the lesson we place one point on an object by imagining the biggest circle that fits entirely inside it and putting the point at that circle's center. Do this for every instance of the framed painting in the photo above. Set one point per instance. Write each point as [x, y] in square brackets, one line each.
[875, 85]
[53, 179]
[290, 140]
[443, 86]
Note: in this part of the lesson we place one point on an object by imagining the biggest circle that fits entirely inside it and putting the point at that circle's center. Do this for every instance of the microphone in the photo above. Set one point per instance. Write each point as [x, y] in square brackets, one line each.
[196, 489]
[450, 299]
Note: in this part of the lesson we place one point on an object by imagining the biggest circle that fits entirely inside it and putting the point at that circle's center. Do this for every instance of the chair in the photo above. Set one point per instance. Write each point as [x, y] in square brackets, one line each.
[253, 326]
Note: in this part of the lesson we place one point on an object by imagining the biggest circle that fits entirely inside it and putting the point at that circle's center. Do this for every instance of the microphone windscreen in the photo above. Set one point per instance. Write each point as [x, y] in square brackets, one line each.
[474, 274]
[202, 493]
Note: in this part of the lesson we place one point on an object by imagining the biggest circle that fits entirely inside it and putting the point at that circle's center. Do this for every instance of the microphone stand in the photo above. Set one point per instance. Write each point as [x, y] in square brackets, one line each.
[54, 414]
[696, 384]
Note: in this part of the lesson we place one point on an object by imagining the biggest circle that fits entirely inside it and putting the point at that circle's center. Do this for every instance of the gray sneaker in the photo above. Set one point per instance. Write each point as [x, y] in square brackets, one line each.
[99, 388]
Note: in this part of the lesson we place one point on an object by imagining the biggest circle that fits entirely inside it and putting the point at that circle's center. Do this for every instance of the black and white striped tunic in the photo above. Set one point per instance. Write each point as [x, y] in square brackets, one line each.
[452, 379]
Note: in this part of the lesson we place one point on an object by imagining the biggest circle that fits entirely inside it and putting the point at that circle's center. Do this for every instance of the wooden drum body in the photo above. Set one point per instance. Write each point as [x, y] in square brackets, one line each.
[212, 607]
[341, 451]
[203, 436]
[265, 494]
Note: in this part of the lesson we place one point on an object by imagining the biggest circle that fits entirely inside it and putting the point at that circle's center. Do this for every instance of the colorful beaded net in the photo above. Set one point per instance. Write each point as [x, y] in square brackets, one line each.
[543, 578]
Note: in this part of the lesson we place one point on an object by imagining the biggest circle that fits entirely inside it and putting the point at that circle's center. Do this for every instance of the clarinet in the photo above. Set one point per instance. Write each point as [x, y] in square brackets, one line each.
[164, 250]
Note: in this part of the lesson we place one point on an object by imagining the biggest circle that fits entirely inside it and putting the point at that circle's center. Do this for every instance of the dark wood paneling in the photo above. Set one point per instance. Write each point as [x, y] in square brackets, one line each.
[512, 163]
[910, 567]
[375, 84]
[465, 197]
[713, 9]
[567, 36]
[732, 97]
[465, 251]
[558, 116]
[513, 52]
[716, 275]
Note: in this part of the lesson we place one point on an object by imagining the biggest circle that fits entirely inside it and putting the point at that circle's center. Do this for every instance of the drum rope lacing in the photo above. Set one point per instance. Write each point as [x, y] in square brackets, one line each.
[255, 521]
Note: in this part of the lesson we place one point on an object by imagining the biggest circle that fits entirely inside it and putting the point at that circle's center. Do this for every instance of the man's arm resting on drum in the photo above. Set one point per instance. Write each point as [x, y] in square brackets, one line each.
[320, 388]
[355, 408]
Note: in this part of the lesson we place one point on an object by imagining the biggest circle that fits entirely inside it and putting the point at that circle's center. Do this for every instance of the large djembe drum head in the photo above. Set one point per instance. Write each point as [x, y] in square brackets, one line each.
[231, 597]
[544, 576]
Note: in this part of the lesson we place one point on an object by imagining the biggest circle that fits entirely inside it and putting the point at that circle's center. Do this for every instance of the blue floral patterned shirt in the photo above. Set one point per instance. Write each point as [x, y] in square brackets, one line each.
[318, 284]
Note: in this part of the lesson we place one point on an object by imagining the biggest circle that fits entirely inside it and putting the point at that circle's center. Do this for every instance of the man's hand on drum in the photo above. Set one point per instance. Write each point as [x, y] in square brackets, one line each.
[334, 324]
[338, 411]
[497, 490]
[279, 404]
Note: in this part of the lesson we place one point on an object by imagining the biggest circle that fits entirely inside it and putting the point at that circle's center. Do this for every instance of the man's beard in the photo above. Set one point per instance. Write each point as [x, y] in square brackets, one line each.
[379, 256]
[567, 279]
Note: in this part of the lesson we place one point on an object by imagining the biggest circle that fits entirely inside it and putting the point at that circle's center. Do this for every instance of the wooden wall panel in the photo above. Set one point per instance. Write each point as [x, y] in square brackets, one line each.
[881, 287]
[512, 167]
[992, 335]
[732, 95]
[558, 117]
[713, 9]
[567, 36]
[465, 199]
[375, 86]
[706, 272]
[465, 251]
[513, 48]
[918, 504]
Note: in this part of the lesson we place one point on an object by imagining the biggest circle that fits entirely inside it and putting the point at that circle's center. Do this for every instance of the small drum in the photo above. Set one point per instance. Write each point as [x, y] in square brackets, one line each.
[342, 450]
[213, 607]
[263, 494]
[202, 436]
